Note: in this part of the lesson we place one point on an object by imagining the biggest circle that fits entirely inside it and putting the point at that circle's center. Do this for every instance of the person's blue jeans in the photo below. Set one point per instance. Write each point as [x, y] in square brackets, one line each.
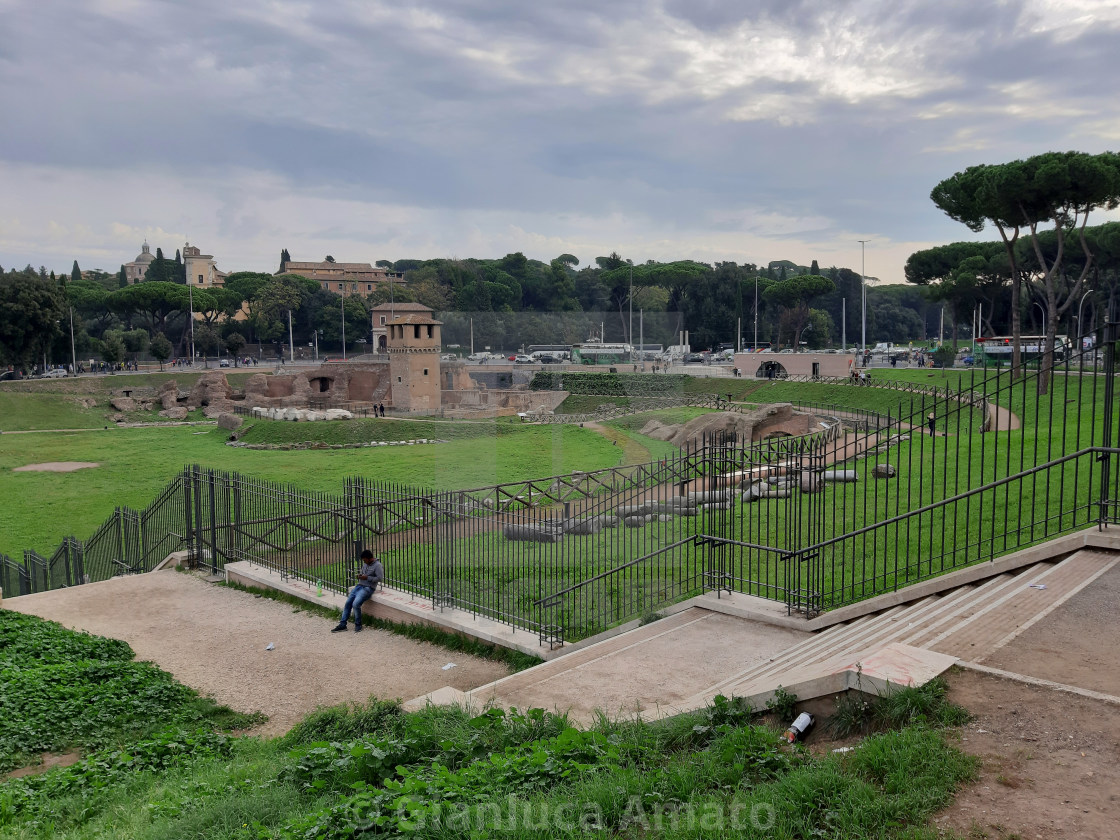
[358, 596]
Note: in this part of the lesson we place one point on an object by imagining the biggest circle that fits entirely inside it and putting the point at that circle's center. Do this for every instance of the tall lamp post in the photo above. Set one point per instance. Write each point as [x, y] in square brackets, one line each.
[74, 355]
[1080, 331]
[755, 348]
[190, 296]
[630, 329]
[863, 291]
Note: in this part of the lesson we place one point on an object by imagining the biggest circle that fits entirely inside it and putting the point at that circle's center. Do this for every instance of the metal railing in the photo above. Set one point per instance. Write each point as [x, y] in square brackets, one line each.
[813, 522]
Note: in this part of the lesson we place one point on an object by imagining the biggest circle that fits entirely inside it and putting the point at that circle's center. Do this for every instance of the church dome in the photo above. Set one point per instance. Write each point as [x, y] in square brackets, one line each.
[145, 255]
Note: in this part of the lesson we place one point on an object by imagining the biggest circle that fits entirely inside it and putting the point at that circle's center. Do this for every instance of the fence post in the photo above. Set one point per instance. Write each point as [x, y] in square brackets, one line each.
[213, 522]
[78, 562]
[119, 529]
[1104, 503]
[188, 517]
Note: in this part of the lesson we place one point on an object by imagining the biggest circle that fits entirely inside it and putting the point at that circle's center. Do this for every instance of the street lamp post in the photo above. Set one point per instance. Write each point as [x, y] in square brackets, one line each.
[863, 290]
[291, 344]
[190, 296]
[1080, 331]
[630, 329]
[1042, 309]
[755, 348]
[74, 355]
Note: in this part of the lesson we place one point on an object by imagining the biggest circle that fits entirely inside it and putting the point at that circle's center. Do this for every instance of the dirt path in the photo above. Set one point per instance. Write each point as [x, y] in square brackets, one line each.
[1076, 644]
[213, 639]
[1051, 763]
[632, 451]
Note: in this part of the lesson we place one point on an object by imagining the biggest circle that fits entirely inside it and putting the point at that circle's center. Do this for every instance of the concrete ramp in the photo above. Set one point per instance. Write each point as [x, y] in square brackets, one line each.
[653, 667]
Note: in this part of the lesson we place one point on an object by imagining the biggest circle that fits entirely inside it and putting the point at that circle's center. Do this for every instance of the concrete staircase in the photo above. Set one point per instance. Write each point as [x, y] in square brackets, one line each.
[968, 622]
[683, 661]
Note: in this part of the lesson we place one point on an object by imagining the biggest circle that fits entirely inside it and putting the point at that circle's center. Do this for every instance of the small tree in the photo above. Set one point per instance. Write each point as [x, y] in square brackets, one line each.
[112, 348]
[205, 339]
[135, 341]
[235, 341]
[75, 273]
[160, 349]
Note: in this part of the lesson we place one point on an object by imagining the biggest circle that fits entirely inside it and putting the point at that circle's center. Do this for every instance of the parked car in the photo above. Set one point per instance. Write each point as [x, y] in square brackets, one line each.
[55, 373]
[478, 357]
[694, 359]
[448, 357]
[225, 363]
[521, 359]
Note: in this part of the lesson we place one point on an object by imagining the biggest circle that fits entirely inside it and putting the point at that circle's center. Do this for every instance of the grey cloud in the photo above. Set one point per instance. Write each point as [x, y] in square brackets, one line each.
[384, 110]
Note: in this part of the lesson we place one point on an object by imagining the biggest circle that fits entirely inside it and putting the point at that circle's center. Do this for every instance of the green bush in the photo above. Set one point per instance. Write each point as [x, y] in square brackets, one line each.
[627, 384]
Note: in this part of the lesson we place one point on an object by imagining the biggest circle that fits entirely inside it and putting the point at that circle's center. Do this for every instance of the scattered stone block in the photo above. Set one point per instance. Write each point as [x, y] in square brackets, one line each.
[229, 421]
[884, 471]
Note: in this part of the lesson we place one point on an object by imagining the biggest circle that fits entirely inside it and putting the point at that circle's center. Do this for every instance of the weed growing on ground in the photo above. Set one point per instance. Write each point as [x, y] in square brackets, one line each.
[60, 689]
[782, 704]
[858, 712]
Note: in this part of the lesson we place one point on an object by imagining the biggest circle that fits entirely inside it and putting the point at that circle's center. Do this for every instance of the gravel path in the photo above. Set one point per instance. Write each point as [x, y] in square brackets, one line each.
[213, 639]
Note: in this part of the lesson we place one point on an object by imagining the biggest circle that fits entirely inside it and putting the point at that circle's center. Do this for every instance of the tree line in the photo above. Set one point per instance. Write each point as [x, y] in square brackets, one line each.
[1047, 256]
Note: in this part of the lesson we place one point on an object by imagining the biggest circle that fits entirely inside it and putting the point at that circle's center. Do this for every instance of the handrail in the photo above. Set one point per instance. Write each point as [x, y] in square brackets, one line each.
[991, 485]
[615, 570]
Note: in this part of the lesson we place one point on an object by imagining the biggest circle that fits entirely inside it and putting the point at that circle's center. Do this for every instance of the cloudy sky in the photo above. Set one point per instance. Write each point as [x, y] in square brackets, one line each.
[703, 129]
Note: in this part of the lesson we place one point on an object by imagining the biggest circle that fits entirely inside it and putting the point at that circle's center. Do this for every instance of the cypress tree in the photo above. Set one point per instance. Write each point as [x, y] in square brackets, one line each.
[75, 273]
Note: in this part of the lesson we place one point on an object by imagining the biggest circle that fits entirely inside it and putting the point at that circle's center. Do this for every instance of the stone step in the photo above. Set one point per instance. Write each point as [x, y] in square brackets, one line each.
[985, 633]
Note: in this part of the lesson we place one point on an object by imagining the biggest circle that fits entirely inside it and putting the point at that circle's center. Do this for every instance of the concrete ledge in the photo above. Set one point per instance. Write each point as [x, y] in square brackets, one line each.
[399, 607]
[892, 666]
[1040, 683]
[446, 696]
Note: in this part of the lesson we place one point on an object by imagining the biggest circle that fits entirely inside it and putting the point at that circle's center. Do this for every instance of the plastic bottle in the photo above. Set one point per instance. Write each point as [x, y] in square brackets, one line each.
[799, 727]
[319, 588]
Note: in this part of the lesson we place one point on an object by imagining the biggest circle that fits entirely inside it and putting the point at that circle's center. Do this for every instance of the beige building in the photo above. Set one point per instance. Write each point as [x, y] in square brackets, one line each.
[383, 313]
[201, 270]
[135, 271]
[341, 278]
[413, 344]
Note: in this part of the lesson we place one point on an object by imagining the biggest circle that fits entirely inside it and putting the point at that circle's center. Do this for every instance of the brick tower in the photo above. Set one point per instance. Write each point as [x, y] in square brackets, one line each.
[413, 344]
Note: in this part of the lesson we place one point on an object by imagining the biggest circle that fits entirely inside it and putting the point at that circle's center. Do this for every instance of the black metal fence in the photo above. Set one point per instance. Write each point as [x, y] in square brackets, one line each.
[954, 475]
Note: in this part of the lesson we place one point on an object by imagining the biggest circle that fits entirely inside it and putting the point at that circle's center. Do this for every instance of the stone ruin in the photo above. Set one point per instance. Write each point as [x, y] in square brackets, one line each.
[768, 421]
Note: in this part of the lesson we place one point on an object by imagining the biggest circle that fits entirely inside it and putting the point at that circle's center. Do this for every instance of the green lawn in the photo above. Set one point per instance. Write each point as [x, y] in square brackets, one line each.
[135, 464]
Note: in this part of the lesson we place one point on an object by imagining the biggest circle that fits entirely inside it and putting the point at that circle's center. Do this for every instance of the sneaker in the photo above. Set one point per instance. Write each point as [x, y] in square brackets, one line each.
[341, 628]
[357, 628]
